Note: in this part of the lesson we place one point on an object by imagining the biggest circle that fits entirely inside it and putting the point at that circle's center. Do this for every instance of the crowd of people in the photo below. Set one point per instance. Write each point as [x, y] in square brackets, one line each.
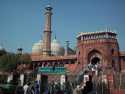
[52, 88]
[37, 87]
[28, 88]
[55, 88]
[85, 87]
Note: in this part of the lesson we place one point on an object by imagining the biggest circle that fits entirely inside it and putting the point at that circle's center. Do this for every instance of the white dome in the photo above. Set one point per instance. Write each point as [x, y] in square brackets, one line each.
[37, 47]
[56, 48]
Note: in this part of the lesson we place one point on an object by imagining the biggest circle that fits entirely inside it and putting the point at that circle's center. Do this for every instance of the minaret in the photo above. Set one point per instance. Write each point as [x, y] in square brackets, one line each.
[47, 32]
[66, 48]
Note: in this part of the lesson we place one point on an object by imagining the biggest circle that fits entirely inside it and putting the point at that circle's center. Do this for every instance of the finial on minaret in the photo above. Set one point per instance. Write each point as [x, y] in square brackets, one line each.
[48, 7]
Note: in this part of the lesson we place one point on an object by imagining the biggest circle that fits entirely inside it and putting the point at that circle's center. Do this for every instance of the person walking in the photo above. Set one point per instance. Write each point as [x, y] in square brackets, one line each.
[25, 87]
[19, 89]
[30, 89]
[36, 88]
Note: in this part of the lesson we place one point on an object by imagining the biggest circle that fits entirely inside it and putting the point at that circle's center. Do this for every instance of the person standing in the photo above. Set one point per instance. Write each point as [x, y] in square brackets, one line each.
[19, 89]
[25, 87]
[36, 88]
[30, 89]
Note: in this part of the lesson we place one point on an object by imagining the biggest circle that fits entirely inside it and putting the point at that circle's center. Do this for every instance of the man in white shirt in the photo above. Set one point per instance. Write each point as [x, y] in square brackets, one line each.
[25, 87]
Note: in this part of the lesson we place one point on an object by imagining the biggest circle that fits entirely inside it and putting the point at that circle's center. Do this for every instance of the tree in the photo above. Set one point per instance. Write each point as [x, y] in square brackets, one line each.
[2, 52]
[8, 62]
[25, 58]
[24, 62]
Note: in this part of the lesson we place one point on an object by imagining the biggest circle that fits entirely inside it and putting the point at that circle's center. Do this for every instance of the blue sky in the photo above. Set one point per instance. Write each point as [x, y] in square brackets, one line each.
[22, 21]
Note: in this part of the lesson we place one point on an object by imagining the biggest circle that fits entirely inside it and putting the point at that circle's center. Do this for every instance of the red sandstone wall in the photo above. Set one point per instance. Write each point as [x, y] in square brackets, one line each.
[103, 46]
[123, 64]
[116, 91]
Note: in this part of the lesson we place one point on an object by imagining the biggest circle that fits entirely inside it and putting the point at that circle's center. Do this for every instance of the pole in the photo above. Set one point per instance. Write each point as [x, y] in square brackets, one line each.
[119, 82]
[102, 81]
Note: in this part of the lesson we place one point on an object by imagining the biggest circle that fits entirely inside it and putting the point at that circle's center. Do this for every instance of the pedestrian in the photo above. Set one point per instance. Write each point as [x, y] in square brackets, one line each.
[36, 88]
[25, 87]
[1, 92]
[30, 89]
[19, 88]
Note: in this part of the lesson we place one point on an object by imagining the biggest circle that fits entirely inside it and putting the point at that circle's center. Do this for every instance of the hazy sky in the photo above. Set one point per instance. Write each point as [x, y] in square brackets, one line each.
[22, 21]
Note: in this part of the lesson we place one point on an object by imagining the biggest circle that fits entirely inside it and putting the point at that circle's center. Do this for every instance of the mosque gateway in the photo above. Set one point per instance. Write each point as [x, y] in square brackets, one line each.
[97, 55]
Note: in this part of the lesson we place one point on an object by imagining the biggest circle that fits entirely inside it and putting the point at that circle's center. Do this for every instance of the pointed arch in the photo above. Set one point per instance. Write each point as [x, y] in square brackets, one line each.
[94, 56]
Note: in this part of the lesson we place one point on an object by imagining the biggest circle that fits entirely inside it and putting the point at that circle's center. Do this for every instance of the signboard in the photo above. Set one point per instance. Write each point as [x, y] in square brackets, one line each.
[52, 70]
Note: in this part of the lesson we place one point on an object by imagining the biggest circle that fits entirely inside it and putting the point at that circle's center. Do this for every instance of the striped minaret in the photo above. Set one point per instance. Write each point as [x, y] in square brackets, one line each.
[47, 32]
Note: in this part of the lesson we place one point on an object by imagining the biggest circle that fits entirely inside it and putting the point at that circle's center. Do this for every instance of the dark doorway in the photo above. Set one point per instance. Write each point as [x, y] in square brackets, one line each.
[95, 61]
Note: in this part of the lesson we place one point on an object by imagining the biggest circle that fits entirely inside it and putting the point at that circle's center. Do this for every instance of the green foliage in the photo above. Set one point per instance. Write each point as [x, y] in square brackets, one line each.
[2, 52]
[8, 62]
[25, 58]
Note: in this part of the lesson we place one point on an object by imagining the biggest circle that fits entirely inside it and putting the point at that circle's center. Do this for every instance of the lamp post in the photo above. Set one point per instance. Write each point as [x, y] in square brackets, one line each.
[102, 81]
[120, 82]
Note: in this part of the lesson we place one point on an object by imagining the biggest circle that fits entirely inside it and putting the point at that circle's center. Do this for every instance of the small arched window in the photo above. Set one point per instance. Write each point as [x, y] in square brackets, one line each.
[123, 58]
[78, 62]
[112, 51]
[79, 52]
[113, 64]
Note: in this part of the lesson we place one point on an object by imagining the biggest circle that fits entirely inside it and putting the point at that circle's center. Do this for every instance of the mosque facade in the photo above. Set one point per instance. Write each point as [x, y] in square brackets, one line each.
[95, 51]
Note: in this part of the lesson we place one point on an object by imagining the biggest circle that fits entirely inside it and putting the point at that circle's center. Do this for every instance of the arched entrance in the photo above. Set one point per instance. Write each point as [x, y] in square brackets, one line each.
[94, 60]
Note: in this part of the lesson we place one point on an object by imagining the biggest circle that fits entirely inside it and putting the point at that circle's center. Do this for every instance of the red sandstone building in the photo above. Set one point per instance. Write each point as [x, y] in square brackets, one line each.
[94, 49]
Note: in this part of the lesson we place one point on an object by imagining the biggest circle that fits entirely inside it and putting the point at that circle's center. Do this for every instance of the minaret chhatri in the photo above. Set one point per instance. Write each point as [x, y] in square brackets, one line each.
[47, 32]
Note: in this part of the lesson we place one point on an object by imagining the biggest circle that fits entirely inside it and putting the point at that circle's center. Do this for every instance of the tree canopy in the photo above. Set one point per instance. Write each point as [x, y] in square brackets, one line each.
[9, 61]
[25, 58]
[2, 52]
